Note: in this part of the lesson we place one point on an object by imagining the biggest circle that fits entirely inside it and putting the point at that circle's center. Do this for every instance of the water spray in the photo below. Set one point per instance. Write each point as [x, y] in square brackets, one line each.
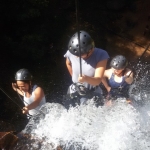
[139, 59]
[139, 90]
[147, 48]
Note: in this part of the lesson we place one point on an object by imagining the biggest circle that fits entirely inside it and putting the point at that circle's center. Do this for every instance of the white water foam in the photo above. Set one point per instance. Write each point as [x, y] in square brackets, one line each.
[119, 127]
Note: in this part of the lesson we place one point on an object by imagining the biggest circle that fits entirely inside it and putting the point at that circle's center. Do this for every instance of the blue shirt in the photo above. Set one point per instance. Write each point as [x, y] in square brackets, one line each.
[88, 65]
[118, 89]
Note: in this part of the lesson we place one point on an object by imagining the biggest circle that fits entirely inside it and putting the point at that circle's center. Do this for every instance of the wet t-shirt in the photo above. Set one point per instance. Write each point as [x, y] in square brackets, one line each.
[88, 65]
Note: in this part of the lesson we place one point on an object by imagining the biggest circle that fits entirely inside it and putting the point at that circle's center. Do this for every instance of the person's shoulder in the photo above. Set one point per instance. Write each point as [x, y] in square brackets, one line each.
[37, 88]
[101, 52]
[38, 91]
[67, 54]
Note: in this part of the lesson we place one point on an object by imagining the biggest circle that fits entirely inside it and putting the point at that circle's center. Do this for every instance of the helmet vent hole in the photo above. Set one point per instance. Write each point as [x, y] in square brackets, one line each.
[77, 45]
[83, 42]
[84, 35]
[75, 50]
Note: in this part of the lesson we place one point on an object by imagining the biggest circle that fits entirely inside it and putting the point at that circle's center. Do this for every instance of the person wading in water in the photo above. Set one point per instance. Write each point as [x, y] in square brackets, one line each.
[33, 95]
[117, 79]
[93, 63]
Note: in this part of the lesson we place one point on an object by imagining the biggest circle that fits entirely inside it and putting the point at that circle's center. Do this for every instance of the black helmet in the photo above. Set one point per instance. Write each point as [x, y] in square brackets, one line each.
[119, 62]
[23, 74]
[86, 43]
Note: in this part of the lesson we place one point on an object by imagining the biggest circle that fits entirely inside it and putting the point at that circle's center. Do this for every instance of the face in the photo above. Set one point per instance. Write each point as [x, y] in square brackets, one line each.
[23, 86]
[117, 72]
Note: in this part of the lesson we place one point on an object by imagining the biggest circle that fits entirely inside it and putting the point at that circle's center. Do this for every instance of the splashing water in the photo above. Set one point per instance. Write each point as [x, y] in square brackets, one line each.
[89, 127]
[86, 127]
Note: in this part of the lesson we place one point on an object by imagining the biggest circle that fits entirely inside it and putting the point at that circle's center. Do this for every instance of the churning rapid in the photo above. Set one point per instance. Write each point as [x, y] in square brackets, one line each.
[121, 126]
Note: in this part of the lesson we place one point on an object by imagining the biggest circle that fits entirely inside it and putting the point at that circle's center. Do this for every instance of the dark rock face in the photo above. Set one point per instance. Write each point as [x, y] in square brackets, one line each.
[7, 140]
[115, 4]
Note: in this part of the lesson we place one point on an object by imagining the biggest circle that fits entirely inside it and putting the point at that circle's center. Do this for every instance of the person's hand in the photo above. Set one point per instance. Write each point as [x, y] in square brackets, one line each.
[108, 97]
[126, 77]
[14, 85]
[108, 89]
[129, 79]
[108, 103]
[128, 74]
[82, 79]
[25, 110]
[128, 101]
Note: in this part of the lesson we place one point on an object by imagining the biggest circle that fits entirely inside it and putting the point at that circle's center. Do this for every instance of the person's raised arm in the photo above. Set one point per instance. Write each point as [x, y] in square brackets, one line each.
[69, 66]
[99, 71]
[104, 80]
[15, 88]
[129, 76]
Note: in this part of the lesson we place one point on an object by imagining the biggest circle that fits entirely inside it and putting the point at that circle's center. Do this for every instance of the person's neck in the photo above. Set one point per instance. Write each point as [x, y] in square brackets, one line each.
[121, 73]
[89, 54]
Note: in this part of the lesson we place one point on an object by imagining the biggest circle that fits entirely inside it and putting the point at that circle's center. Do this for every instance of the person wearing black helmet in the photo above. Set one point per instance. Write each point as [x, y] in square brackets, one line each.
[118, 78]
[93, 63]
[33, 95]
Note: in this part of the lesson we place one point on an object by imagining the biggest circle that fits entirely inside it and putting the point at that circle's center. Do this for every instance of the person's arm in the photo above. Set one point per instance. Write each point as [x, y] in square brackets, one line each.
[104, 81]
[69, 66]
[15, 88]
[39, 94]
[99, 71]
[129, 76]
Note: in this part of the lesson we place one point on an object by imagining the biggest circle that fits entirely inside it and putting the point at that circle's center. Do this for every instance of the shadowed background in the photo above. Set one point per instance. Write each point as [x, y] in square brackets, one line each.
[35, 33]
